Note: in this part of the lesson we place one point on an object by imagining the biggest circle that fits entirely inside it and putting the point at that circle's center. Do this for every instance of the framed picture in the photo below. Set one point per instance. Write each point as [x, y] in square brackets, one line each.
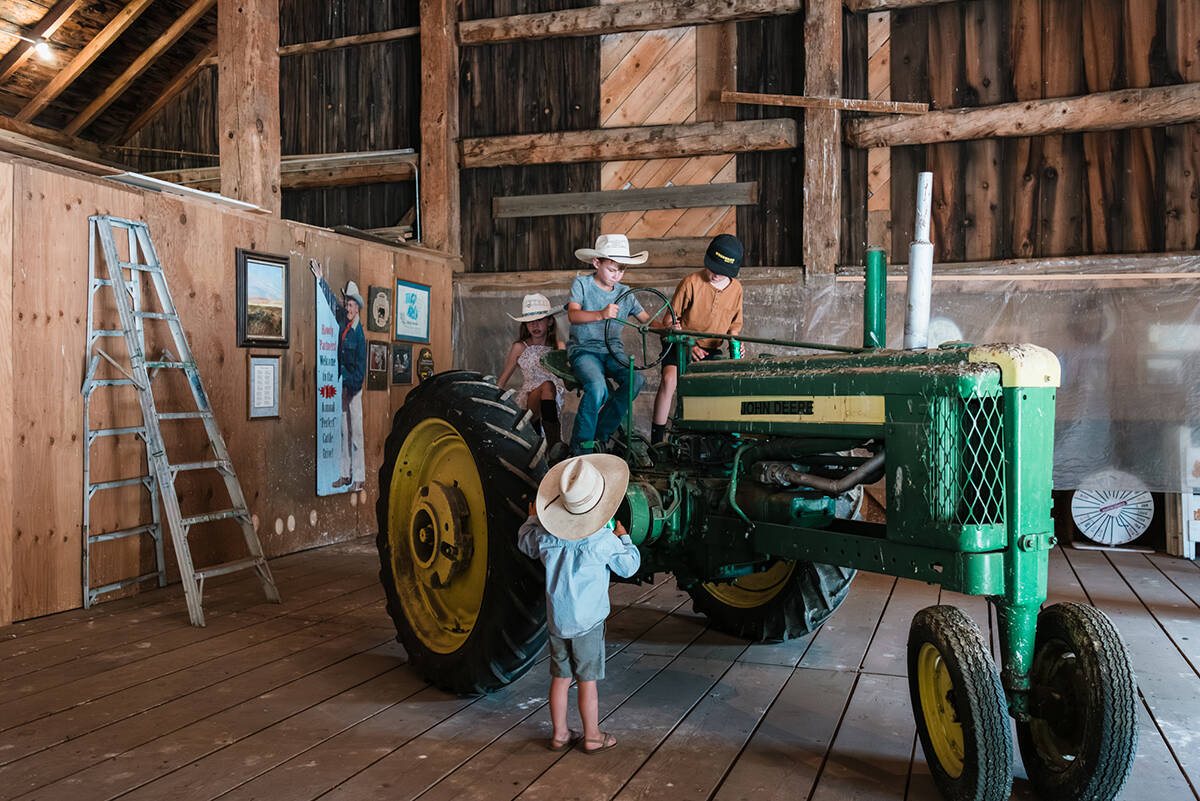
[263, 393]
[401, 364]
[379, 308]
[263, 310]
[425, 368]
[377, 365]
[412, 311]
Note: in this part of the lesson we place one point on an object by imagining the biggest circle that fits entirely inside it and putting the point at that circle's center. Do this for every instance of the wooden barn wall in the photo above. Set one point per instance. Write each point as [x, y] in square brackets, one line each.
[1107, 192]
[43, 303]
[770, 59]
[335, 101]
[854, 160]
[526, 88]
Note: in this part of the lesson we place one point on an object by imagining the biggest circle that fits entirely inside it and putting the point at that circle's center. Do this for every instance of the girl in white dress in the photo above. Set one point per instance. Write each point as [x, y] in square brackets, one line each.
[541, 392]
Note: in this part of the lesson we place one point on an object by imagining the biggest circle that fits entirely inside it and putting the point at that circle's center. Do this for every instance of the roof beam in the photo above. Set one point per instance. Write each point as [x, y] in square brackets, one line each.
[79, 147]
[641, 142]
[306, 172]
[67, 75]
[44, 28]
[205, 58]
[638, 15]
[140, 64]
[1101, 111]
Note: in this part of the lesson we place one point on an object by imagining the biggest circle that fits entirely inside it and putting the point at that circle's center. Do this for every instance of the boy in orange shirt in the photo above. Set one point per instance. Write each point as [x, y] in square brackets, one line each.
[708, 300]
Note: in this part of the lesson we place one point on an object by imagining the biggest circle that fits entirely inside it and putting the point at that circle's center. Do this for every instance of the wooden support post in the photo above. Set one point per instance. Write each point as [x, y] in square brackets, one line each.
[248, 100]
[441, 218]
[822, 137]
[8, 467]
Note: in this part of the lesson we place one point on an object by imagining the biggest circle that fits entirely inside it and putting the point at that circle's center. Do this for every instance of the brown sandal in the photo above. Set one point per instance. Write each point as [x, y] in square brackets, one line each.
[606, 741]
[562, 745]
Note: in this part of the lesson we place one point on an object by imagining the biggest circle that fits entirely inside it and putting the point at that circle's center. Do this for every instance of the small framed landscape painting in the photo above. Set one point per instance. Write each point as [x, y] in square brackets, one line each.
[263, 310]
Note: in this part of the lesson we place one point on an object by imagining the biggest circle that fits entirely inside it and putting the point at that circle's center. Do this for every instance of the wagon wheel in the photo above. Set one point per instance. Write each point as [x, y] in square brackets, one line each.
[643, 330]
[959, 706]
[1082, 734]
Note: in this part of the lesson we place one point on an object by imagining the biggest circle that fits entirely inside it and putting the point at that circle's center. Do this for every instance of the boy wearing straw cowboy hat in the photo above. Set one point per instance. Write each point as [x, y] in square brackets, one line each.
[592, 302]
[570, 533]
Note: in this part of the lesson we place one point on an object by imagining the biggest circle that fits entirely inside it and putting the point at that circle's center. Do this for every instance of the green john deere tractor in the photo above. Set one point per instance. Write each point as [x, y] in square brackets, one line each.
[740, 505]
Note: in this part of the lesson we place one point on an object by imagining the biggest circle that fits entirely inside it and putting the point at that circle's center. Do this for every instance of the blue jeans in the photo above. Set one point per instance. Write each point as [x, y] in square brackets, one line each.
[599, 412]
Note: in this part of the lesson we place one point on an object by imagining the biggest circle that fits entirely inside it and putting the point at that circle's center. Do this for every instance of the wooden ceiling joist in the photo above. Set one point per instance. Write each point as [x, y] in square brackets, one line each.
[306, 172]
[638, 15]
[349, 41]
[140, 64]
[205, 58]
[619, 144]
[67, 75]
[1102, 111]
[44, 28]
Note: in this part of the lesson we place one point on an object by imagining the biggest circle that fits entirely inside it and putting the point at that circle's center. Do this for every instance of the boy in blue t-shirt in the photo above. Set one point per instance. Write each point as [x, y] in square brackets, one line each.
[592, 302]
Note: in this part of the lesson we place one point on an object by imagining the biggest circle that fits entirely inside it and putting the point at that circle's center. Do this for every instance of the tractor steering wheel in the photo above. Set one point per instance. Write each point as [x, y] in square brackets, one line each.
[624, 359]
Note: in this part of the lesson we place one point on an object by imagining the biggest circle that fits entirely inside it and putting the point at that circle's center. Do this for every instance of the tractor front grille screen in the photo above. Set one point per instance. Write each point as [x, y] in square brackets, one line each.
[965, 459]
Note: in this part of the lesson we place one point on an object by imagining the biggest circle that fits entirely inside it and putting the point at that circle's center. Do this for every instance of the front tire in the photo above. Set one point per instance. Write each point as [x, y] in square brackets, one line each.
[788, 600]
[959, 706]
[459, 470]
[1082, 735]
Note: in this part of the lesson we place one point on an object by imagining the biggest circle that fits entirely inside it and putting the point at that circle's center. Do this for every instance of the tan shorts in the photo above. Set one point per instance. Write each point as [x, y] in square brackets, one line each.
[581, 657]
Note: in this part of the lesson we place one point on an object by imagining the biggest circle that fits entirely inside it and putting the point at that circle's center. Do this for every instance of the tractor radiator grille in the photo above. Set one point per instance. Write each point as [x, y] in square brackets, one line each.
[965, 459]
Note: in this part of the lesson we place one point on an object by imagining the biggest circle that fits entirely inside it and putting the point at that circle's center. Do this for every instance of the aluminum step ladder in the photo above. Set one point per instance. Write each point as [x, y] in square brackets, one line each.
[125, 280]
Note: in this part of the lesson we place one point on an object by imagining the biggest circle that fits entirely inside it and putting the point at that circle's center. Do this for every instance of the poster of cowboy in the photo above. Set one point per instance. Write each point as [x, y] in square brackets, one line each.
[341, 369]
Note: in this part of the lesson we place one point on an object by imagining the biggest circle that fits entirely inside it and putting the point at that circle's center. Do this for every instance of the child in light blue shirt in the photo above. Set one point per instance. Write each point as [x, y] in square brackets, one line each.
[571, 532]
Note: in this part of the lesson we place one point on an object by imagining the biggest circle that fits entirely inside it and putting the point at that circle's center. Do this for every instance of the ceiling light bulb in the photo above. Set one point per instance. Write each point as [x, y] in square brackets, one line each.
[42, 48]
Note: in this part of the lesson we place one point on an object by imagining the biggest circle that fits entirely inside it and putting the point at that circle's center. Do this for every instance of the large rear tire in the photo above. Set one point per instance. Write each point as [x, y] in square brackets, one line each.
[788, 600]
[459, 470]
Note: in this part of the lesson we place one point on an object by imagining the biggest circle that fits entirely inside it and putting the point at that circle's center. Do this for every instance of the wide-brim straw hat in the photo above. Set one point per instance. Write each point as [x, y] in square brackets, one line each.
[579, 495]
[535, 307]
[612, 246]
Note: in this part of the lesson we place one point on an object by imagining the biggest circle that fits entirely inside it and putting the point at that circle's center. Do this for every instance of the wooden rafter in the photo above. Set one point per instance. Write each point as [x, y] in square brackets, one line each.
[44, 28]
[638, 15]
[205, 58]
[642, 142]
[1101, 111]
[59, 141]
[140, 64]
[67, 75]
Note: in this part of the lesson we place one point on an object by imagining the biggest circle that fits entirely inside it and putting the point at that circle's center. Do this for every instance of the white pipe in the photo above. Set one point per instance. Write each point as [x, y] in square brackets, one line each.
[920, 270]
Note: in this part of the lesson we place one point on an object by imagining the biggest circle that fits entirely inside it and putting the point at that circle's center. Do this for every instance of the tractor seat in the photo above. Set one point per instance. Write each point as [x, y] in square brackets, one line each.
[555, 362]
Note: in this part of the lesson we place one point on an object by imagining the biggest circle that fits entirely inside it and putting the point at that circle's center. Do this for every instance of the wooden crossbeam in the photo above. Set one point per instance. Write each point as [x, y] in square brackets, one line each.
[618, 144]
[80, 148]
[838, 103]
[140, 64]
[44, 28]
[696, 196]
[83, 59]
[680, 251]
[306, 172]
[205, 58]
[350, 41]
[889, 5]
[1102, 111]
[638, 15]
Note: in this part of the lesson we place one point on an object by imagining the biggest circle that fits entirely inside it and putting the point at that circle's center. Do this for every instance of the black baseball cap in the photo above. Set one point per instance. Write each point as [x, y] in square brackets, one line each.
[724, 255]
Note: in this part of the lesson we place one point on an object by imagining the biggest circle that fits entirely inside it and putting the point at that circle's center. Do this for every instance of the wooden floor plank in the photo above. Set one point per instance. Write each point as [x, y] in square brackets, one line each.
[1166, 681]
[206, 736]
[108, 671]
[869, 760]
[888, 652]
[1173, 610]
[695, 757]
[62, 760]
[1183, 573]
[842, 641]
[785, 754]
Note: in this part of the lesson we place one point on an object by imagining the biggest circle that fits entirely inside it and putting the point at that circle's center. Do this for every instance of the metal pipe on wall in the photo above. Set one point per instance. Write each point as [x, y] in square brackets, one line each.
[920, 270]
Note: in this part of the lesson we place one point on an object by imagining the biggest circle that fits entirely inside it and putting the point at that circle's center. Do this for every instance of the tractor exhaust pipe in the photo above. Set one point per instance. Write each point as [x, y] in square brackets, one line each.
[920, 270]
[784, 474]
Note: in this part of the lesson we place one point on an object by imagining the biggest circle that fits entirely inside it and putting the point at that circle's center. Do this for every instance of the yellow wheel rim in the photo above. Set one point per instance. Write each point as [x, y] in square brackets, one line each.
[754, 589]
[937, 708]
[437, 530]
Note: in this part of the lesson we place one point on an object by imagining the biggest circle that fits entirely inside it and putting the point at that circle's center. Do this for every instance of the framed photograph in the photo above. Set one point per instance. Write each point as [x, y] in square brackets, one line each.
[401, 364]
[425, 368]
[263, 393]
[263, 310]
[379, 308]
[412, 311]
[377, 365]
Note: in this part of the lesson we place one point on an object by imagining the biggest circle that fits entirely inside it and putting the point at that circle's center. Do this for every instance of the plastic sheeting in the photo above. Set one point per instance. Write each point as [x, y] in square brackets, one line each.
[1128, 339]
